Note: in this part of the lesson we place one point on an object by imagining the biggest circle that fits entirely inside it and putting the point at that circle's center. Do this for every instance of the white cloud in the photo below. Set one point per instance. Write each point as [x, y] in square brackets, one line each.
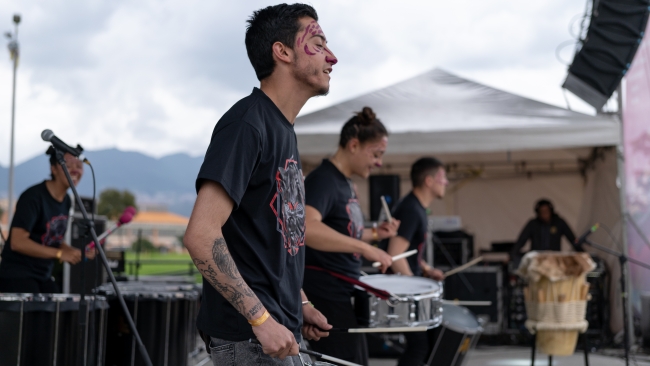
[155, 76]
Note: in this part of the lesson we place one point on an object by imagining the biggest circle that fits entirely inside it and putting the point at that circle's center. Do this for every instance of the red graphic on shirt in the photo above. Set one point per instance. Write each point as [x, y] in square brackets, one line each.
[355, 226]
[288, 205]
[55, 230]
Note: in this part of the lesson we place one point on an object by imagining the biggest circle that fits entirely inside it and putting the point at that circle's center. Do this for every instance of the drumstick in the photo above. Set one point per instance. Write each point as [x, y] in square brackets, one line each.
[467, 303]
[386, 209]
[463, 267]
[379, 330]
[397, 257]
[317, 355]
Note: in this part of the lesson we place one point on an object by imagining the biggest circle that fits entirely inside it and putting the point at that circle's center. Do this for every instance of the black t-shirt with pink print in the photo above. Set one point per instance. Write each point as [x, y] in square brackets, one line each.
[46, 220]
[333, 195]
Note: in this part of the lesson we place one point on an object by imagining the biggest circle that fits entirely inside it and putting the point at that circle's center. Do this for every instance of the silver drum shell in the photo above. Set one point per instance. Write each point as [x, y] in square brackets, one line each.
[405, 310]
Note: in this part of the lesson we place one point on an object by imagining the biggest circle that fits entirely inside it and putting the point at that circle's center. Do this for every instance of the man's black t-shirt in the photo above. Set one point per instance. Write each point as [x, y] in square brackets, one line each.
[334, 196]
[413, 228]
[253, 154]
[544, 236]
[46, 220]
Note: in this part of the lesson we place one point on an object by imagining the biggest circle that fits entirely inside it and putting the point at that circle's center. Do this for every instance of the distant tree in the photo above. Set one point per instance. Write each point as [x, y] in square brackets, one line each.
[143, 245]
[112, 202]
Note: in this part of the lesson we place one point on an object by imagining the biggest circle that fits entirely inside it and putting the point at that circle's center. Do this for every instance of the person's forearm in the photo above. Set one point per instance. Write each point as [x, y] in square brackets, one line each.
[368, 236]
[402, 267]
[31, 248]
[321, 237]
[218, 267]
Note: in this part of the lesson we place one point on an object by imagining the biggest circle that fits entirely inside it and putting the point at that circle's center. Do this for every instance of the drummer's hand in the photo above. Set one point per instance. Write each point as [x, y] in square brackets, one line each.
[435, 274]
[70, 254]
[388, 229]
[374, 254]
[276, 339]
[90, 251]
[313, 323]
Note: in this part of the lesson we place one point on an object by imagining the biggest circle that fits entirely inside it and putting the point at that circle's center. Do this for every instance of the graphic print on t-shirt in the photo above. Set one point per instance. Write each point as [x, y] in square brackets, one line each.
[288, 204]
[55, 231]
[355, 227]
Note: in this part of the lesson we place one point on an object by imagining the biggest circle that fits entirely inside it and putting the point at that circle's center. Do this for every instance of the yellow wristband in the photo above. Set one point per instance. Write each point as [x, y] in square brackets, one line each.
[375, 234]
[59, 254]
[259, 321]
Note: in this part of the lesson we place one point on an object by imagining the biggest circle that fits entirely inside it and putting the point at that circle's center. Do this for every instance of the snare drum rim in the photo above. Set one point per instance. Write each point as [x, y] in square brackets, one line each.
[436, 293]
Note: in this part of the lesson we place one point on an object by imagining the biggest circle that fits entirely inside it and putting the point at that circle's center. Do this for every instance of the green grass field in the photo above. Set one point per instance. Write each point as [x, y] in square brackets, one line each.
[170, 264]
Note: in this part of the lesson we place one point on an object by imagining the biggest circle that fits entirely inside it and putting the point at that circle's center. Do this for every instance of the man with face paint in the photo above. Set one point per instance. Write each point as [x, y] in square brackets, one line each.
[246, 234]
[429, 181]
[336, 239]
[37, 231]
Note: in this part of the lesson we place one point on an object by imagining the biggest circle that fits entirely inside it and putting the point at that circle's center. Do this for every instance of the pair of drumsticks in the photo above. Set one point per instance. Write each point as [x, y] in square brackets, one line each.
[389, 218]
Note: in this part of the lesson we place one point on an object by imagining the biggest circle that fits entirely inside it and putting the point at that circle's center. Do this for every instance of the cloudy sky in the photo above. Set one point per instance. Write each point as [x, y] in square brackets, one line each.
[155, 76]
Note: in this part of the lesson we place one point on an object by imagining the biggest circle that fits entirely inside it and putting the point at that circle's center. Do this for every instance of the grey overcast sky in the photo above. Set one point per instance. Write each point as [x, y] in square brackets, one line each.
[155, 75]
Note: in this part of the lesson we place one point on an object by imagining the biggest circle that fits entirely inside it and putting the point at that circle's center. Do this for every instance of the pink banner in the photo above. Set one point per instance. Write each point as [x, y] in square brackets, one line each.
[636, 140]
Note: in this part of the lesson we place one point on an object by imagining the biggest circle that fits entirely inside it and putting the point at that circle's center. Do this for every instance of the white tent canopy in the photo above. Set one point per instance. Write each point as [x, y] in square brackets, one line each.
[437, 112]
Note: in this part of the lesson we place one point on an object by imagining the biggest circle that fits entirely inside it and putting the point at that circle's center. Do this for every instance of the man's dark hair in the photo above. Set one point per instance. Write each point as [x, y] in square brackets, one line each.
[423, 167]
[53, 162]
[544, 202]
[278, 23]
[364, 126]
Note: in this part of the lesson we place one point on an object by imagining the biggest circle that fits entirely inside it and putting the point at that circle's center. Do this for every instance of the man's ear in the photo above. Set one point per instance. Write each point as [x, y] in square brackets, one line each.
[429, 180]
[282, 53]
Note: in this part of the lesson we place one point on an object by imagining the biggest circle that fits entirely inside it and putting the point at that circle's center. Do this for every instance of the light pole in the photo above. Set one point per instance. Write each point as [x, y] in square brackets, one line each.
[14, 52]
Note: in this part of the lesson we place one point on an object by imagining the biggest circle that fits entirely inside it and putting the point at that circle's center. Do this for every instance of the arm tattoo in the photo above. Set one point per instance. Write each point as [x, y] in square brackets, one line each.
[227, 280]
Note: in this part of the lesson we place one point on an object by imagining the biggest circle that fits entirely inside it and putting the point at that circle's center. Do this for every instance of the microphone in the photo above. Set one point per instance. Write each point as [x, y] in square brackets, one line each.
[124, 219]
[48, 136]
[584, 236]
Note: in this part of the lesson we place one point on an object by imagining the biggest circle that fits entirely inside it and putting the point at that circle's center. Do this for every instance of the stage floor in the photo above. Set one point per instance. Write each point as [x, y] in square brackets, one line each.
[520, 356]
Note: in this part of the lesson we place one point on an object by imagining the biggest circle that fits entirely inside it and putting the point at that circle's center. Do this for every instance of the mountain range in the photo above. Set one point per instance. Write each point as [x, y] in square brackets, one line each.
[167, 181]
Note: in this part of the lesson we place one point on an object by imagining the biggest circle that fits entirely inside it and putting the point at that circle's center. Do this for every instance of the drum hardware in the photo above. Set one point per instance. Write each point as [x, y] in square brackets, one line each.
[47, 136]
[398, 257]
[48, 323]
[413, 301]
[459, 331]
[317, 355]
[467, 303]
[164, 312]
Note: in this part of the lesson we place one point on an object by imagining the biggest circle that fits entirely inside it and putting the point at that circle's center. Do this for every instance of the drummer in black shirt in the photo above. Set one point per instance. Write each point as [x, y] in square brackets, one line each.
[336, 239]
[429, 181]
[246, 234]
[37, 231]
[545, 231]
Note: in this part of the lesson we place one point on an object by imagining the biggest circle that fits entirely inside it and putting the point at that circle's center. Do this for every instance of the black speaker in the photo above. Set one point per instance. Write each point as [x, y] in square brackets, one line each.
[615, 32]
[383, 185]
[92, 269]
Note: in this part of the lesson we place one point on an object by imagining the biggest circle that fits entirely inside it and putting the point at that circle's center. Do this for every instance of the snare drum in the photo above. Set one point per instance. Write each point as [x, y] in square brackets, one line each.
[416, 301]
[43, 329]
[164, 315]
[456, 336]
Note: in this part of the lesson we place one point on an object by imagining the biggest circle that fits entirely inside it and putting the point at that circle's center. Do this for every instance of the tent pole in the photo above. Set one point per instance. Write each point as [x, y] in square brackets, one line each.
[620, 149]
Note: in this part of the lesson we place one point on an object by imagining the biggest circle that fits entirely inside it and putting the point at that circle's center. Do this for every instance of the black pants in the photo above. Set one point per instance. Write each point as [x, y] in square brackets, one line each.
[28, 285]
[347, 346]
[417, 349]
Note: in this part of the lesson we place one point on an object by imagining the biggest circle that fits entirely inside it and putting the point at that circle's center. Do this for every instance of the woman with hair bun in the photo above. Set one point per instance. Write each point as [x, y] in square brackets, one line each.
[335, 235]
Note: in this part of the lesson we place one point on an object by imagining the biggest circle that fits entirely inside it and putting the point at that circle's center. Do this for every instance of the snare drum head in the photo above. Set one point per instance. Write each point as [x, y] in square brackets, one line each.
[402, 285]
[459, 319]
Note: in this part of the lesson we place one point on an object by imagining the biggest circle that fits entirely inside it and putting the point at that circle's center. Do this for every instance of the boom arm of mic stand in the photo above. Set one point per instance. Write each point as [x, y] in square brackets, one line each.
[127, 314]
[452, 262]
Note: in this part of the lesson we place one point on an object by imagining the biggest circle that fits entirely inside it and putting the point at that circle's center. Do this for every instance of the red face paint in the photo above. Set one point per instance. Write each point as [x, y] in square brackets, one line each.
[307, 51]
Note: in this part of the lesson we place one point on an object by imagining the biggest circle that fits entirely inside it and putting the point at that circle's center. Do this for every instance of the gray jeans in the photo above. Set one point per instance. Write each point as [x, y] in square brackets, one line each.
[228, 353]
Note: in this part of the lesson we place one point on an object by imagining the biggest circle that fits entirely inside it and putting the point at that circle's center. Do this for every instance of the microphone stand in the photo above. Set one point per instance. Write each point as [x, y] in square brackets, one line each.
[622, 259]
[143, 351]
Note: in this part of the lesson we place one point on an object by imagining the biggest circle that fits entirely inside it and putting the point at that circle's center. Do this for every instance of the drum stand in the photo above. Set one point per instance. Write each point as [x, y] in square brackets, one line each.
[623, 259]
[143, 351]
[550, 357]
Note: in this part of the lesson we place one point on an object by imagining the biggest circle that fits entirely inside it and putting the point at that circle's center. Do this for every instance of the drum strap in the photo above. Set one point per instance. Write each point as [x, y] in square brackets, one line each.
[375, 291]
